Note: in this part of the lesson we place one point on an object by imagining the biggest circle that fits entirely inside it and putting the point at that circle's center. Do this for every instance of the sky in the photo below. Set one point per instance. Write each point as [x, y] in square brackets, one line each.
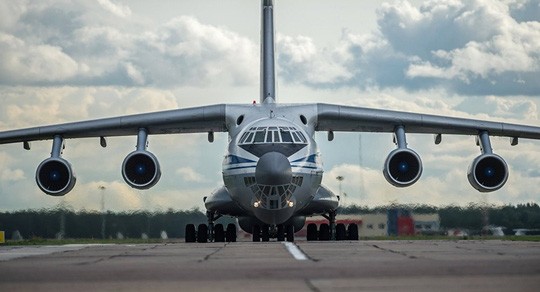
[64, 61]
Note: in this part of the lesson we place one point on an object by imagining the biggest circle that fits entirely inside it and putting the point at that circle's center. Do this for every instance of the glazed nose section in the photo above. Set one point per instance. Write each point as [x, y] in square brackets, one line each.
[273, 168]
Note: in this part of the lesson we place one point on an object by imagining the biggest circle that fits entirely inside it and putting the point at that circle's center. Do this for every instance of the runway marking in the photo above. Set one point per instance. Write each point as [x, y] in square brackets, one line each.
[295, 251]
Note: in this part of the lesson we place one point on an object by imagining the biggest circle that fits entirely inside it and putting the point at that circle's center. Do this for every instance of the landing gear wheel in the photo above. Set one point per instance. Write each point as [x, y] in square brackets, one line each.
[256, 233]
[202, 233]
[311, 232]
[352, 231]
[231, 233]
[341, 232]
[190, 234]
[290, 233]
[280, 232]
[219, 233]
[324, 232]
[265, 233]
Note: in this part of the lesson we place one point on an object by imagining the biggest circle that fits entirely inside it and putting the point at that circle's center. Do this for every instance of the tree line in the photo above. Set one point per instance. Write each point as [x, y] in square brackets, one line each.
[472, 217]
[50, 223]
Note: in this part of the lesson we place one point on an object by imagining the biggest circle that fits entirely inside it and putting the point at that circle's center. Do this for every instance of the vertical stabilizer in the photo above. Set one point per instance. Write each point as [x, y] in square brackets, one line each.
[268, 83]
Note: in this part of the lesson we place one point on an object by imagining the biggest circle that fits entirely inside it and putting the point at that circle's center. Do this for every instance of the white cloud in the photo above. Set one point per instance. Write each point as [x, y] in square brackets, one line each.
[473, 47]
[76, 45]
[12, 175]
[188, 174]
[117, 9]
[23, 62]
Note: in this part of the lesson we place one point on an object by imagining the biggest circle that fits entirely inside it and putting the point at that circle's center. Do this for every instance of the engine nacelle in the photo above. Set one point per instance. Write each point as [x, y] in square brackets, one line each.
[55, 177]
[488, 173]
[403, 167]
[140, 170]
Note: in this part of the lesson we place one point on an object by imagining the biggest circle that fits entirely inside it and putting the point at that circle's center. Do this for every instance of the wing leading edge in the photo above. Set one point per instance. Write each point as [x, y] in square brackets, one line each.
[356, 119]
[191, 120]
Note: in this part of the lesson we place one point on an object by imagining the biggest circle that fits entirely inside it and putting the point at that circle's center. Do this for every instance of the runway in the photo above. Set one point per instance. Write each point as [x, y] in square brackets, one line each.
[491, 265]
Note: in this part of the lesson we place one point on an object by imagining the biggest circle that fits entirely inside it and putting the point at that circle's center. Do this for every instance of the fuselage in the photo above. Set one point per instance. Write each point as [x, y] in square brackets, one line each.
[272, 168]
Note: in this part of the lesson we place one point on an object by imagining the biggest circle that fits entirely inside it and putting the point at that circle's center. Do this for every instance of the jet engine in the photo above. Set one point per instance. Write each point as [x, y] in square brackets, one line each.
[55, 177]
[488, 172]
[140, 169]
[403, 167]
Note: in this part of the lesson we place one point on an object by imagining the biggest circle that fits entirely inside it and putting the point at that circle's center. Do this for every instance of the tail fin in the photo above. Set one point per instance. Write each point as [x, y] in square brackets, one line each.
[268, 83]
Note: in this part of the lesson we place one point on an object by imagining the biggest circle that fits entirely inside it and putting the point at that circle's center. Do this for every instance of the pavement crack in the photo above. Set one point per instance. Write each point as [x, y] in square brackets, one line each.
[394, 251]
[311, 286]
[208, 256]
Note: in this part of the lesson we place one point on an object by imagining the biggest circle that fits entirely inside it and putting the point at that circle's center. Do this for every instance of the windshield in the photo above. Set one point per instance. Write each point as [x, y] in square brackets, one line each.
[285, 135]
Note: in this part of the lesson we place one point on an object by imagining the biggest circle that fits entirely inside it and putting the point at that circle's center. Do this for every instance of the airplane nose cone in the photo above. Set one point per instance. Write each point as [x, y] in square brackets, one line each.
[273, 168]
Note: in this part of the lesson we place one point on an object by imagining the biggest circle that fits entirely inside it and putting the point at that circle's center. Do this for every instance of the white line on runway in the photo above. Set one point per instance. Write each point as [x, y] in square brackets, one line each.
[295, 251]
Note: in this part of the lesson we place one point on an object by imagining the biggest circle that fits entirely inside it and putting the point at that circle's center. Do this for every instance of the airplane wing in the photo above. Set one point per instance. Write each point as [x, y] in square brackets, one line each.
[357, 119]
[403, 167]
[191, 120]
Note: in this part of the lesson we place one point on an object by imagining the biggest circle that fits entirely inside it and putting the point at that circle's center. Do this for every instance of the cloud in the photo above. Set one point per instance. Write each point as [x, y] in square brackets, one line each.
[84, 44]
[12, 175]
[117, 9]
[188, 174]
[467, 47]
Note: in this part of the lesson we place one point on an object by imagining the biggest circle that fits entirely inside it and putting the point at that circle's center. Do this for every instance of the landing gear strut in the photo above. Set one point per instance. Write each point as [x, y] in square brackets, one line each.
[212, 216]
[332, 231]
[211, 232]
[332, 223]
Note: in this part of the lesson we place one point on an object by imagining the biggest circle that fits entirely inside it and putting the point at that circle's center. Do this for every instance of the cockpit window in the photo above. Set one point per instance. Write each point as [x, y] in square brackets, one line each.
[258, 135]
[286, 135]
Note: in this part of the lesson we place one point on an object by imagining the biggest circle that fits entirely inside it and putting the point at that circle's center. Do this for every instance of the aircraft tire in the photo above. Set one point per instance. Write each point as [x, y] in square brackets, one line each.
[311, 232]
[202, 233]
[352, 231]
[256, 233]
[290, 233]
[324, 232]
[190, 234]
[265, 234]
[219, 233]
[341, 232]
[280, 232]
[231, 233]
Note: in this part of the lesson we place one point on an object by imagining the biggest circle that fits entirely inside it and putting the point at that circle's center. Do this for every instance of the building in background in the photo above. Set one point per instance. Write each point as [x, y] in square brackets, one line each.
[395, 222]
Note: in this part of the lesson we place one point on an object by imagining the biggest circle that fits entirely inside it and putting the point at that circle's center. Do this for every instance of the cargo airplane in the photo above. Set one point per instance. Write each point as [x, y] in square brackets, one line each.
[272, 169]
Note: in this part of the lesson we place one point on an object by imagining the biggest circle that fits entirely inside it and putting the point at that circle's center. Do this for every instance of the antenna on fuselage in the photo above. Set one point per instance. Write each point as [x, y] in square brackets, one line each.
[268, 75]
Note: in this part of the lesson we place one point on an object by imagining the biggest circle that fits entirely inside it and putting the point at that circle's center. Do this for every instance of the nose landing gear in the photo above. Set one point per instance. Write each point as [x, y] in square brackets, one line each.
[280, 232]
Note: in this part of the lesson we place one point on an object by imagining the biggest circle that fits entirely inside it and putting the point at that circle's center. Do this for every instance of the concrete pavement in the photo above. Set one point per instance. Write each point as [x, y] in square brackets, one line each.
[327, 266]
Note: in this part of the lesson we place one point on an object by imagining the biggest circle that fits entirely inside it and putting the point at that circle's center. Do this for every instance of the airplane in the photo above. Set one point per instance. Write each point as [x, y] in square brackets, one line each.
[272, 169]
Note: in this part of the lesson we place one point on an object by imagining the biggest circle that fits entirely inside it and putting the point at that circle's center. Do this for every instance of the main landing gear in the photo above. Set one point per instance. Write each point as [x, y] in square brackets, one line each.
[332, 231]
[265, 232]
[211, 232]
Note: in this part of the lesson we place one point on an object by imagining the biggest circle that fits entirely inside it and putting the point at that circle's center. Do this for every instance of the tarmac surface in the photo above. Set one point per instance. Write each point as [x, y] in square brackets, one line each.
[467, 265]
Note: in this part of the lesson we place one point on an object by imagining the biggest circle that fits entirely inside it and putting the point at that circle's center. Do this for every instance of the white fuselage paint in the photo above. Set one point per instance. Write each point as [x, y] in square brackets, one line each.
[258, 134]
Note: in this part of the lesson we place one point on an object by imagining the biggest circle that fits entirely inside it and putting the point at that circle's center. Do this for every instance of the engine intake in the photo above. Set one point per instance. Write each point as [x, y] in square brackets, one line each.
[55, 177]
[488, 173]
[141, 170]
[403, 167]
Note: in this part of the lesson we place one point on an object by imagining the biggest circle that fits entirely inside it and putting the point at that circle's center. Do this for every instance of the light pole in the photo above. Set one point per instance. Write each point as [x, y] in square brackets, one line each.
[102, 189]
